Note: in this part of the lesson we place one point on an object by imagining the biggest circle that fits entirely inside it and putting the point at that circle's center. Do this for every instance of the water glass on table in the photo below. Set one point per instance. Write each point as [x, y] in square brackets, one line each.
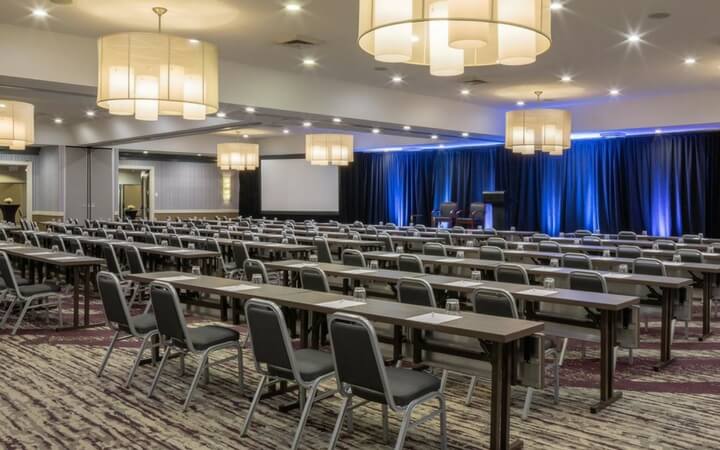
[677, 258]
[164, 243]
[460, 254]
[554, 262]
[196, 270]
[623, 268]
[313, 258]
[476, 275]
[549, 283]
[256, 279]
[359, 294]
[374, 264]
[55, 249]
[606, 253]
[400, 249]
[131, 239]
[191, 246]
[452, 306]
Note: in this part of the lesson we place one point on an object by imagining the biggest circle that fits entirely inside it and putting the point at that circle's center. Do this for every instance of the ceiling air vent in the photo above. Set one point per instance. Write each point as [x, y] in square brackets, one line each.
[298, 41]
[474, 82]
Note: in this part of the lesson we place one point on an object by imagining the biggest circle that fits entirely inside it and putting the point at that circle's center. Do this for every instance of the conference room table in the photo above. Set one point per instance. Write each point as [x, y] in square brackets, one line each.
[608, 304]
[641, 237]
[637, 243]
[80, 267]
[500, 334]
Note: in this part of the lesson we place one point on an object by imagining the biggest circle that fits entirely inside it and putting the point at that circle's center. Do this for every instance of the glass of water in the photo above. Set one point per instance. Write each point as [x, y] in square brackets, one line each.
[164, 243]
[79, 252]
[400, 249]
[195, 270]
[644, 232]
[359, 294]
[216, 235]
[554, 262]
[606, 253]
[191, 246]
[677, 258]
[11, 240]
[284, 241]
[460, 254]
[256, 279]
[131, 239]
[655, 247]
[623, 268]
[85, 233]
[55, 249]
[476, 275]
[521, 246]
[549, 283]
[452, 306]
[313, 258]
[374, 264]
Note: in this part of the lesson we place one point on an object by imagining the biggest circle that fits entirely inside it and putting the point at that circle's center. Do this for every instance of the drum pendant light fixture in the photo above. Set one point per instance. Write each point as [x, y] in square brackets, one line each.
[329, 149]
[546, 130]
[147, 75]
[17, 124]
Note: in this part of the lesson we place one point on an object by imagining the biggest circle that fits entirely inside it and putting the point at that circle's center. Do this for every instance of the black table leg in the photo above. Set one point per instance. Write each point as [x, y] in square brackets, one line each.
[86, 295]
[608, 326]
[666, 329]
[397, 343]
[76, 297]
[235, 310]
[500, 397]
[304, 328]
[706, 308]
[223, 308]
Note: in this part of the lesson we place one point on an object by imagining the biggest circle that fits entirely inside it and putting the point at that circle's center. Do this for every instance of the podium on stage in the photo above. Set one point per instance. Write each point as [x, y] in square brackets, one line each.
[9, 210]
[497, 200]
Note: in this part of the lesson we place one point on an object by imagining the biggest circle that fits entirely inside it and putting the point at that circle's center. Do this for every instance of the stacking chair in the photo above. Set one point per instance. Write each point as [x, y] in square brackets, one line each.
[410, 263]
[314, 279]
[591, 240]
[491, 231]
[629, 251]
[32, 237]
[254, 266]
[277, 360]
[72, 244]
[576, 261]
[240, 254]
[691, 239]
[582, 233]
[549, 247]
[323, 250]
[150, 237]
[136, 266]
[492, 253]
[434, 249]
[627, 236]
[229, 269]
[511, 273]
[421, 227]
[27, 296]
[3, 234]
[447, 237]
[387, 242]
[117, 314]
[58, 240]
[539, 237]
[497, 242]
[372, 230]
[665, 244]
[690, 255]
[200, 341]
[682, 306]
[352, 257]
[175, 241]
[361, 372]
[457, 229]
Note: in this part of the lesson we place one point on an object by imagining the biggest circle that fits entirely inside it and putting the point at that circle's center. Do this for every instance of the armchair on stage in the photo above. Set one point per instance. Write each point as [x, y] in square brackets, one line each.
[447, 213]
[475, 218]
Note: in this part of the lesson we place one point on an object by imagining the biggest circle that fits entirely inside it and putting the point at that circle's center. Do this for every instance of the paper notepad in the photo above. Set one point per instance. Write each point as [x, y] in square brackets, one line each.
[16, 247]
[40, 253]
[450, 260]
[465, 284]
[302, 265]
[548, 269]
[673, 263]
[617, 275]
[179, 251]
[67, 258]
[387, 255]
[340, 304]
[434, 318]
[177, 278]
[238, 288]
[358, 271]
[539, 292]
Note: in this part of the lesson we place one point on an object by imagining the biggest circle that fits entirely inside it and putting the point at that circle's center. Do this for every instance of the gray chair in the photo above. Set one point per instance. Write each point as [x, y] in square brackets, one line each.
[549, 247]
[511, 273]
[446, 236]
[582, 233]
[58, 240]
[229, 269]
[591, 240]
[323, 250]
[361, 372]
[410, 263]
[31, 237]
[240, 254]
[576, 261]
[629, 251]
[415, 291]
[72, 245]
[314, 279]
[497, 242]
[27, 296]
[665, 244]
[277, 360]
[254, 266]
[175, 241]
[149, 237]
[352, 257]
[119, 319]
[627, 236]
[434, 249]
[492, 253]
[387, 242]
[690, 255]
[539, 237]
[691, 239]
[201, 341]
[457, 229]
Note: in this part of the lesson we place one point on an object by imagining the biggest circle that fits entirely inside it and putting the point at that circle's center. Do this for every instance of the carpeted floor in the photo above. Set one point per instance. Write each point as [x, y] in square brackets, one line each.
[50, 398]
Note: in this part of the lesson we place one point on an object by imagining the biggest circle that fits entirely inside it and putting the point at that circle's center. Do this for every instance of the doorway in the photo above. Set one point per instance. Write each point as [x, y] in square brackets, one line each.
[16, 190]
[135, 188]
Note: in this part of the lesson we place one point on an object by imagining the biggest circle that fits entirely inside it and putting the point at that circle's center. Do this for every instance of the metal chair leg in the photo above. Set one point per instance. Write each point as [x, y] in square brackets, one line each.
[107, 354]
[556, 381]
[159, 371]
[630, 356]
[138, 357]
[241, 370]
[386, 425]
[253, 405]
[201, 370]
[306, 412]
[338, 423]
[562, 351]
[22, 316]
[672, 331]
[443, 423]
[443, 380]
[528, 402]
[404, 425]
[471, 390]
[8, 311]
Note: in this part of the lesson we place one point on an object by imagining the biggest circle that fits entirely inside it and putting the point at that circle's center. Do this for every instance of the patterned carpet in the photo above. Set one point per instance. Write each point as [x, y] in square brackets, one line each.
[50, 398]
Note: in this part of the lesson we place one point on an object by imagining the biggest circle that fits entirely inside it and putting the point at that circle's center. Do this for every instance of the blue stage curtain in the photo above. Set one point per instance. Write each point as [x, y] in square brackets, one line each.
[663, 184]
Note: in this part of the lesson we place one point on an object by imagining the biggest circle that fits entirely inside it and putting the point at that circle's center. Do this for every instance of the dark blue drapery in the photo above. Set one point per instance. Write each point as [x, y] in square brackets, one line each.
[665, 184]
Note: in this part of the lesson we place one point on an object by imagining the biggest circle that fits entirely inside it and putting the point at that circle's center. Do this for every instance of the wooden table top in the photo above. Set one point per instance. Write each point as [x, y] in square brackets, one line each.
[43, 255]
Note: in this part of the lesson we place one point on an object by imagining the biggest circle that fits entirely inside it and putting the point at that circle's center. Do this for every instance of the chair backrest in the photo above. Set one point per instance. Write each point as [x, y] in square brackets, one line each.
[372, 230]
[58, 240]
[7, 273]
[73, 244]
[240, 253]
[549, 247]
[150, 238]
[446, 236]
[352, 257]
[627, 236]
[492, 253]
[358, 363]
[587, 281]
[213, 245]
[410, 263]
[415, 291]
[511, 273]
[576, 261]
[387, 242]
[591, 240]
[3, 234]
[582, 233]
[649, 266]
[254, 266]
[477, 210]
[457, 229]
[134, 260]
[491, 231]
[690, 255]
[314, 279]
[113, 300]
[434, 249]
[168, 314]
[111, 259]
[420, 227]
[447, 208]
[629, 251]
[32, 237]
[497, 242]
[665, 244]
[323, 249]
[691, 239]
[271, 345]
[175, 241]
[494, 302]
[540, 237]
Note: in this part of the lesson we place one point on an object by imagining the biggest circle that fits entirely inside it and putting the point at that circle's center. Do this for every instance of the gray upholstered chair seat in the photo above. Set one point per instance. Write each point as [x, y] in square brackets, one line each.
[407, 385]
[35, 289]
[205, 337]
[310, 363]
[144, 323]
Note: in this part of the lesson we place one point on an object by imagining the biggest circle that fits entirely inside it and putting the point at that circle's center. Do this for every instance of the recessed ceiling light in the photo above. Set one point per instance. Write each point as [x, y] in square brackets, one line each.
[249, 109]
[199, 154]
[376, 130]
[293, 7]
[566, 79]
[556, 6]
[245, 136]
[658, 131]
[415, 38]
[465, 134]
[145, 152]
[690, 61]
[309, 62]
[2, 105]
[90, 113]
[39, 12]
[221, 114]
[337, 119]
[286, 131]
[520, 103]
[407, 127]
[307, 124]
[434, 136]
[634, 37]
[614, 92]
[397, 79]
[465, 91]
[193, 41]
[58, 120]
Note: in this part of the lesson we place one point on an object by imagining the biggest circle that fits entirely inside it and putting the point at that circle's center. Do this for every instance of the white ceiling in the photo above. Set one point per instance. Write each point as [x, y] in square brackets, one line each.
[588, 43]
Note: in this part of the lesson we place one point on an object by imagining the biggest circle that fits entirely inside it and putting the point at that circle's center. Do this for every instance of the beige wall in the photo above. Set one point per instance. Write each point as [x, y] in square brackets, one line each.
[17, 192]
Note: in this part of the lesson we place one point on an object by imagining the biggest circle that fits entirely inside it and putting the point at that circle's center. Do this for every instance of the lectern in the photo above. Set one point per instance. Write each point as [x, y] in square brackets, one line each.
[9, 210]
[497, 200]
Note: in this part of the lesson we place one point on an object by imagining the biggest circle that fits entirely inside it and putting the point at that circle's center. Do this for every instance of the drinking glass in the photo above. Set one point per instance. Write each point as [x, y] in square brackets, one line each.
[512, 228]
[554, 262]
[476, 275]
[606, 253]
[359, 294]
[284, 241]
[195, 270]
[191, 246]
[131, 239]
[257, 279]
[623, 268]
[374, 264]
[164, 243]
[400, 249]
[549, 283]
[55, 249]
[216, 235]
[452, 306]
[313, 258]
[676, 258]
[111, 236]
[521, 247]
[644, 232]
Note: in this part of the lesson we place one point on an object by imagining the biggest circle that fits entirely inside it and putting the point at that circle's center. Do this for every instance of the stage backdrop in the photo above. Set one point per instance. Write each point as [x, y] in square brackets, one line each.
[665, 184]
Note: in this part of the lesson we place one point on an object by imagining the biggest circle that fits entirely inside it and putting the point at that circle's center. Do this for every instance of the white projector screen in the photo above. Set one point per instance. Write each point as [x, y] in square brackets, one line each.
[294, 185]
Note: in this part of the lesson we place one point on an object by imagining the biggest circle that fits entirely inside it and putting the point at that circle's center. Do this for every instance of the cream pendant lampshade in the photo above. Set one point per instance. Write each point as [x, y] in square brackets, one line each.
[329, 149]
[238, 156]
[449, 35]
[17, 124]
[153, 74]
[546, 130]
